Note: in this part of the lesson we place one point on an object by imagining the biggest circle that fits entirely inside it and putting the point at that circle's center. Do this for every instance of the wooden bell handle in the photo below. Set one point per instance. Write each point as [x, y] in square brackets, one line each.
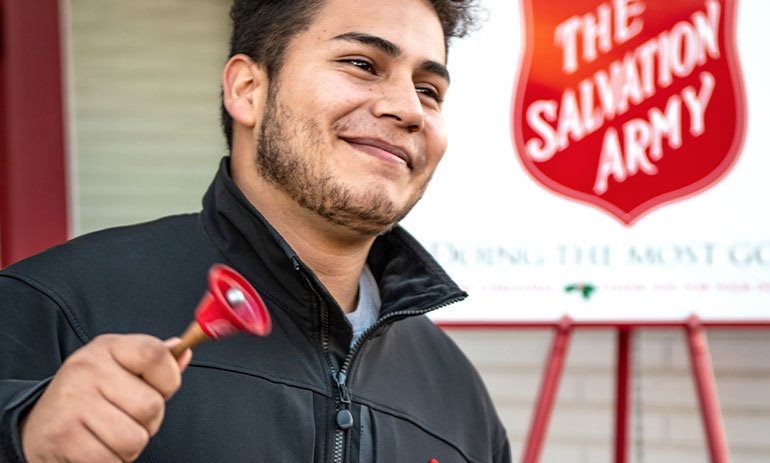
[193, 336]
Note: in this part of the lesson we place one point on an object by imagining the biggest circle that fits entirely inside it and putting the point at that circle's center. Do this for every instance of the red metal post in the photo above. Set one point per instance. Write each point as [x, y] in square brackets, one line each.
[547, 395]
[623, 381]
[33, 191]
[699, 354]
[707, 391]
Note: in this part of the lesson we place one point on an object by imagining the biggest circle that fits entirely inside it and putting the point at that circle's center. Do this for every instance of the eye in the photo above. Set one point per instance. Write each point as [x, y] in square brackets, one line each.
[430, 93]
[362, 64]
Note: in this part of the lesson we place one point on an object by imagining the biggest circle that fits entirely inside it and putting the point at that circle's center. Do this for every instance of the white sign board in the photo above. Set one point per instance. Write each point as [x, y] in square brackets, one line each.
[525, 253]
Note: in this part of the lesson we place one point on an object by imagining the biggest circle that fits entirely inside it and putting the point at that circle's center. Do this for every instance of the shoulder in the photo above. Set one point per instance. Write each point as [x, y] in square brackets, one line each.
[116, 280]
[113, 247]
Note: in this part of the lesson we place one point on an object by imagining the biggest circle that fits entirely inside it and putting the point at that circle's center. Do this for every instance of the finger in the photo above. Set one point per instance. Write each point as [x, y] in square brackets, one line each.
[148, 357]
[141, 401]
[88, 448]
[183, 359]
[117, 431]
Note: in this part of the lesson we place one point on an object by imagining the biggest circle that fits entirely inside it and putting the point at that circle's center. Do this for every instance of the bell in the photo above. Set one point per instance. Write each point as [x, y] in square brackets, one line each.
[231, 305]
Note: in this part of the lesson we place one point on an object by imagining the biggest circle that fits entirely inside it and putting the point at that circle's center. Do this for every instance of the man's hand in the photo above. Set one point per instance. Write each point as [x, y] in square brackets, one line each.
[106, 401]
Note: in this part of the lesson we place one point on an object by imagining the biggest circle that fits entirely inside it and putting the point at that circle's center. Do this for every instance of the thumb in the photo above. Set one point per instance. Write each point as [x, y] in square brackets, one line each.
[184, 359]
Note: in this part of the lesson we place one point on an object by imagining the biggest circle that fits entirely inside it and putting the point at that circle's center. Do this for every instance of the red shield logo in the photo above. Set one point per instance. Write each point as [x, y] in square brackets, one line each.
[629, 104]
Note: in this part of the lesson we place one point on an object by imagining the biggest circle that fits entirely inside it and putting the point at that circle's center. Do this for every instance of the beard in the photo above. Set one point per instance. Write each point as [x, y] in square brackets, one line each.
[285, 157]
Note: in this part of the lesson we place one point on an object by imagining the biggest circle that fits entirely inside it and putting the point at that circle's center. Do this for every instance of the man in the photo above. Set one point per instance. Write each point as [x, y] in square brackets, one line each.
[332, 111]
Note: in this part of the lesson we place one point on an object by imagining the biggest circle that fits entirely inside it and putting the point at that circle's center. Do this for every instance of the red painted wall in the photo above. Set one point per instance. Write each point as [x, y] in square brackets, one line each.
[33, 174]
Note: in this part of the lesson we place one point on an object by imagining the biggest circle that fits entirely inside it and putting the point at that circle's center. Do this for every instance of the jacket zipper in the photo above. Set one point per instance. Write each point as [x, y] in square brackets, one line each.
[343, 398]
[343, 415]
[344, 418]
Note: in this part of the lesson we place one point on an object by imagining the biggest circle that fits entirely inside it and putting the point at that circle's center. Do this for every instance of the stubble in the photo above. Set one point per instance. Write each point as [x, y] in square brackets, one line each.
[285, 157]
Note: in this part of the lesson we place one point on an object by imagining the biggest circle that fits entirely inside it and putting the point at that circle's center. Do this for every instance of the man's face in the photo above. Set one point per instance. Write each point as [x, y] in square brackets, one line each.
[352, 127]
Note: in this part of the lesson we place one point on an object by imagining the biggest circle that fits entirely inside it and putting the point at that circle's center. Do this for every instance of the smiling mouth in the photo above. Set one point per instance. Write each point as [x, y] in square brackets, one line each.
[381, 150]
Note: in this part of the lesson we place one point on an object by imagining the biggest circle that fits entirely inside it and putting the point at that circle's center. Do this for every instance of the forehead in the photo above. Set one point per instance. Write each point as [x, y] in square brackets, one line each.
[413, 25]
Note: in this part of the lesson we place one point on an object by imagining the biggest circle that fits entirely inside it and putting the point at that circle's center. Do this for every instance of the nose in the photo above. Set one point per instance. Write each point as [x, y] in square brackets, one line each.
[399, 102]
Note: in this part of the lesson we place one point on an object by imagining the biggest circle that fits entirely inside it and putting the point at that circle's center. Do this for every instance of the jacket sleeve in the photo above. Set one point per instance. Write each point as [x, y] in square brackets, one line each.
[35, 336]
[503, 454]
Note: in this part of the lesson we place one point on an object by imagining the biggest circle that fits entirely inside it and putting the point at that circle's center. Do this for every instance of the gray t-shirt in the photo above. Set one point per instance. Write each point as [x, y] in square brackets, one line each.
[368, 308]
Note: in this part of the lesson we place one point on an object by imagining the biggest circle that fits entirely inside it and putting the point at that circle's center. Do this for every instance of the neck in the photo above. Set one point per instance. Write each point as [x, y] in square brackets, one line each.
[335, 254]
[338, 265]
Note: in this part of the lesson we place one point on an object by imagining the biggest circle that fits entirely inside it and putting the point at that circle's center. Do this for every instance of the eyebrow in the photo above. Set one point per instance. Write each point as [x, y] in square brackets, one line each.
[394, 51]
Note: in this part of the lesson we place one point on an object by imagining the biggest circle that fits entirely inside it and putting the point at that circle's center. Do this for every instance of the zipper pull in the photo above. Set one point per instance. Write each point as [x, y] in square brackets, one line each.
[344, 417]
[342, 388]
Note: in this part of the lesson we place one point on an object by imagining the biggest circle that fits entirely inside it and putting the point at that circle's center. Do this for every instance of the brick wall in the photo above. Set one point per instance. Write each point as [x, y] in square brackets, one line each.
[667, 427]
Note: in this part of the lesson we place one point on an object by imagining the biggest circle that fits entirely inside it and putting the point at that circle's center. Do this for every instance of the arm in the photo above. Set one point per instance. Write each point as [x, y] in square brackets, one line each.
[105, 400]
[503, 454]
[35, 336]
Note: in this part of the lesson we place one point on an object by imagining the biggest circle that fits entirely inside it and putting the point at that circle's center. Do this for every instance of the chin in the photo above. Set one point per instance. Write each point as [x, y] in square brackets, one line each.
[372, 214]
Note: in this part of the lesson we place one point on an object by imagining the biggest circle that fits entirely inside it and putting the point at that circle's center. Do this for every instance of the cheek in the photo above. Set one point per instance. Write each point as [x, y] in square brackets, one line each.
[332, 96]
[436, 140]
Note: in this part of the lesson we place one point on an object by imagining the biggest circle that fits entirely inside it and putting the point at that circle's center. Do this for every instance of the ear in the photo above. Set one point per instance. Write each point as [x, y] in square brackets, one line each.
[244, 89]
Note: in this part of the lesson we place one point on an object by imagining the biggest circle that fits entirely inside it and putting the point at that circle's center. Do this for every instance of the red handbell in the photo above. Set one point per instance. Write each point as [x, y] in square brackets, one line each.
[230, 305]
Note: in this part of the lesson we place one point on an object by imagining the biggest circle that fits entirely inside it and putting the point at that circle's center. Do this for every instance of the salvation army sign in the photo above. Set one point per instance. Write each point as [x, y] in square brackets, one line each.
[633, 107]
[627, 105]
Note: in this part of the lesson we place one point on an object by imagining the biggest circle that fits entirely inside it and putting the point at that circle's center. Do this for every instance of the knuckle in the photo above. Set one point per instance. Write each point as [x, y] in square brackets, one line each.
[155, 407]
[83, 357]
[175, 382]
[149, 411]
[79, 364]
[153, 425]
[104, 340]
[92, 355]
[135, 440]
[151, 349]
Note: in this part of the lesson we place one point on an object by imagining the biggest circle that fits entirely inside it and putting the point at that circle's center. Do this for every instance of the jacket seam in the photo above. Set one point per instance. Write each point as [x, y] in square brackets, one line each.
[57, 299]
[258, 374]
[420, 424]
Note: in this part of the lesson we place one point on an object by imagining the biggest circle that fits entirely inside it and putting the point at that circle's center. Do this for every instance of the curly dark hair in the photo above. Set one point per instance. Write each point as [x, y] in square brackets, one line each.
[263, 28]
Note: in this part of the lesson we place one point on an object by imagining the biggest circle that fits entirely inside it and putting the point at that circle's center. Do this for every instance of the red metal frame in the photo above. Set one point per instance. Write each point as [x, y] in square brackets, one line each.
[703, 376]
[33, 174]
[758, 323]
[623, 382]
[548, 389]
[707, 392]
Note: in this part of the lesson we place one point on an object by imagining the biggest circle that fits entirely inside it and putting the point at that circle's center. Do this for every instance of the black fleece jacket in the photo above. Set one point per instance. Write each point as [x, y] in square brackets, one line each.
[412, 394]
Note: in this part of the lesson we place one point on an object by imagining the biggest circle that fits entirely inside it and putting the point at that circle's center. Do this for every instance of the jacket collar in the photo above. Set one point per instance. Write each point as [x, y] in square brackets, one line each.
[409, 279]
